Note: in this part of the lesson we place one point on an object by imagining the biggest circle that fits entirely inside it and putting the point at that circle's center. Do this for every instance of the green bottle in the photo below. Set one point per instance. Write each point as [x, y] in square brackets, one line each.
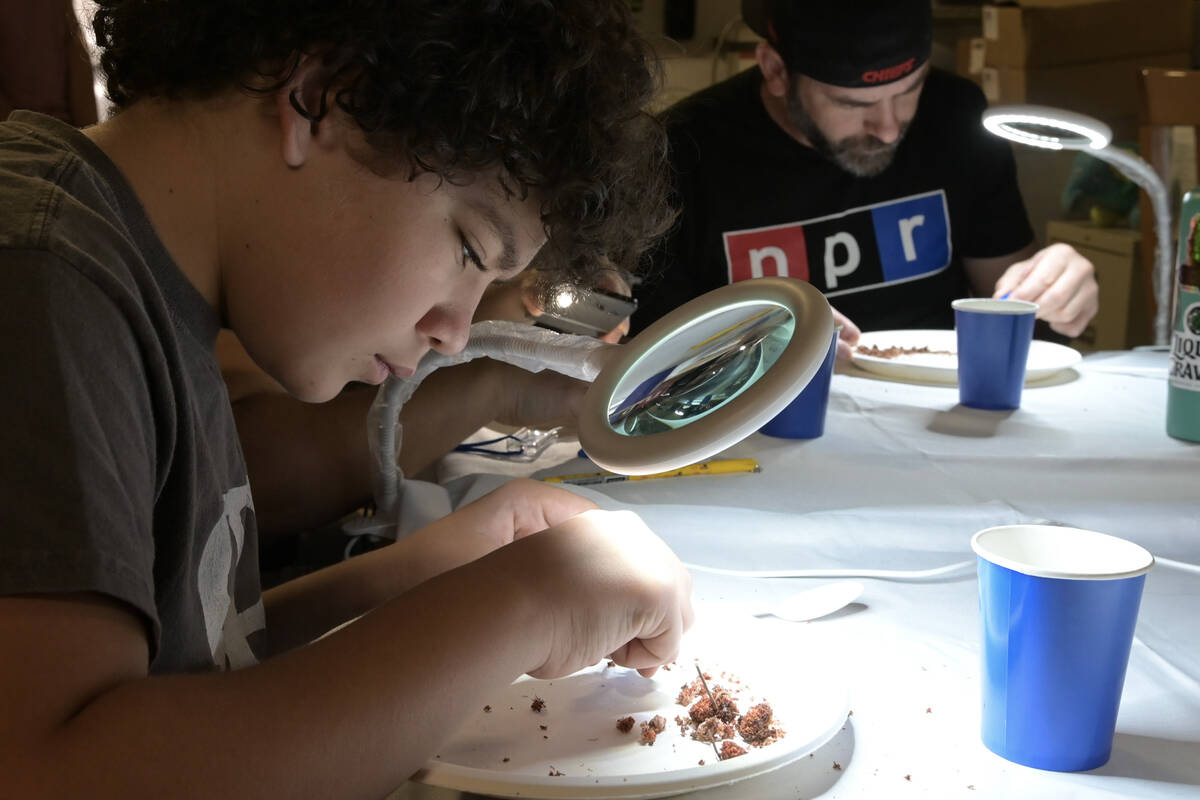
[1183, 386]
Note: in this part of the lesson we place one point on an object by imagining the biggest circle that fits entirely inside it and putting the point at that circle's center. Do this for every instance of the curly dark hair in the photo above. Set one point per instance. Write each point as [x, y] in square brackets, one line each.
[553, 92]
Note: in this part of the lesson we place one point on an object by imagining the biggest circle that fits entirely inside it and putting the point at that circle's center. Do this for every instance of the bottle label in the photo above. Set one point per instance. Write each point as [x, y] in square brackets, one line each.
[1185, 344]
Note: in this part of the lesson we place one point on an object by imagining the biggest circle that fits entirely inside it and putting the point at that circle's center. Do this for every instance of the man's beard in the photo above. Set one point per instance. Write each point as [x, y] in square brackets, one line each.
[864, 155]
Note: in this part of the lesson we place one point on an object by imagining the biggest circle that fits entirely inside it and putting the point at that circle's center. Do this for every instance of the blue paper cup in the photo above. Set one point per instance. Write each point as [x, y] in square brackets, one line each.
[1057, 608]
[804, 417]
[993, 346]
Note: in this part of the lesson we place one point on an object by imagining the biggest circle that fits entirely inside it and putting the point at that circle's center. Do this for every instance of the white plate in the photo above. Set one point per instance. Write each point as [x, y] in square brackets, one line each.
[1045, 358]
[581, 739]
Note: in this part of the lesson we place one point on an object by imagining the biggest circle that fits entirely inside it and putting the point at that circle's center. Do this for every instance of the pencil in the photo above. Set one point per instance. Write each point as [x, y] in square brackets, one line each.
[726, 466]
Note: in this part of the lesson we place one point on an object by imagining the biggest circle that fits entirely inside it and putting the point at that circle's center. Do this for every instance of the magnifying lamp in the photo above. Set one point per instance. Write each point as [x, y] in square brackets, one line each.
[1056, 129]
[705, 376]
[693, 383]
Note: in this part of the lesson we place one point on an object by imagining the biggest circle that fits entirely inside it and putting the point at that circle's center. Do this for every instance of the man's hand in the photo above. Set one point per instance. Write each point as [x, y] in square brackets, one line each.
[1060, 281]
[848, 336]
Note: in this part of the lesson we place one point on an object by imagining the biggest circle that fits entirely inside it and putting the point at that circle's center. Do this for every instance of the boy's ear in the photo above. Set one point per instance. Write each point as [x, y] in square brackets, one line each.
[302, 104]
[775, 75]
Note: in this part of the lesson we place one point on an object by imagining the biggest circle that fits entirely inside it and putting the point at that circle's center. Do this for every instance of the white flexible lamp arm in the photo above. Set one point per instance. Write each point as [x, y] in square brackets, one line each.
[1141, 173]
[517, 343]
[1059, 129]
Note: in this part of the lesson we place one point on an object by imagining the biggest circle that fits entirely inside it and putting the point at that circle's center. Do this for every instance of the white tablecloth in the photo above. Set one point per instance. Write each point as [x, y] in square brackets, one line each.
[901, 480]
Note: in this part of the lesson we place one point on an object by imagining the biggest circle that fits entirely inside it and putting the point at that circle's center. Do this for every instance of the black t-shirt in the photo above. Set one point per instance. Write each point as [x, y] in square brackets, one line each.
[886, 250]
[120, 467]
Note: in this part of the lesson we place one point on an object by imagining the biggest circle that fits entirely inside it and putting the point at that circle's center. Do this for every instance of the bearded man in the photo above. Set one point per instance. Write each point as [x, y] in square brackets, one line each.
[845, 159]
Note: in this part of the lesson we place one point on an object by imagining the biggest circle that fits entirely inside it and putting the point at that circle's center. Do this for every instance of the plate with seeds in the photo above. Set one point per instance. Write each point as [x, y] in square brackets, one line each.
[931, 356]
[736, 703]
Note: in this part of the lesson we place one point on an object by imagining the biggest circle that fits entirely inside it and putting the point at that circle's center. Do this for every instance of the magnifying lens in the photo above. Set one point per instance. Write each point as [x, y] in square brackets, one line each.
[705, 376]
[693, 383]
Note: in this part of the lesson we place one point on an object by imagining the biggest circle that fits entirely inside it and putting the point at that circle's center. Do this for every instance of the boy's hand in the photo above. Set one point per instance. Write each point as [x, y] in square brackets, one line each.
[515, 510]
[607, 586]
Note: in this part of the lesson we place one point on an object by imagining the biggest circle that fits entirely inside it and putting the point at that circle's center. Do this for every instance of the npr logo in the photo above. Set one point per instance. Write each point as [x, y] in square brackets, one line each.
[858, 249]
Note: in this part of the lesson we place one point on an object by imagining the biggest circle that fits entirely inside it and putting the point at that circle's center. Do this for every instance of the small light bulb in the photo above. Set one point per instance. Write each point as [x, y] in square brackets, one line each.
[564, 299]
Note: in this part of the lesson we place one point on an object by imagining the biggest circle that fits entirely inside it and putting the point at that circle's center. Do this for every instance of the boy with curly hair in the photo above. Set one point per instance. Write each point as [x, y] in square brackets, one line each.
[338, 184]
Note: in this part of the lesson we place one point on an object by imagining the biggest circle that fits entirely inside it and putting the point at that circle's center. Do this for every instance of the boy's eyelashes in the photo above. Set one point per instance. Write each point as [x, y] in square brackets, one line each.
[469, 255]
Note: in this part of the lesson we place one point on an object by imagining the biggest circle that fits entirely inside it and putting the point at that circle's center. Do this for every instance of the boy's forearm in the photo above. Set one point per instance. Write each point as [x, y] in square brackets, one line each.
[450, 405]
[351, 716]
[302, 609]
[309, 465]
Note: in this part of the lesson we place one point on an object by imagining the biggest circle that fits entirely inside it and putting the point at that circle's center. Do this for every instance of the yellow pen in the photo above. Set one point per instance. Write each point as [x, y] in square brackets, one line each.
[726, 466]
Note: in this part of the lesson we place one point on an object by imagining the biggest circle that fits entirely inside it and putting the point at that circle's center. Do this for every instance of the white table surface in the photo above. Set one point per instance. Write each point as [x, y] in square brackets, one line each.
[901, 480]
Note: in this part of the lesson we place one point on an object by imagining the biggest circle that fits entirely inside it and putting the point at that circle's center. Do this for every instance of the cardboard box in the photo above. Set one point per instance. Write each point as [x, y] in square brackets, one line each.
[1106, 90]
[1102, 30]
[970, 56]
[1051, 3]
[1114, 253]
[1045, 4]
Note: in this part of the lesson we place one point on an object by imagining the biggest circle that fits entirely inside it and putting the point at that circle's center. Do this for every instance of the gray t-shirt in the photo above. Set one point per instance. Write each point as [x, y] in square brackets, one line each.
[120, 468]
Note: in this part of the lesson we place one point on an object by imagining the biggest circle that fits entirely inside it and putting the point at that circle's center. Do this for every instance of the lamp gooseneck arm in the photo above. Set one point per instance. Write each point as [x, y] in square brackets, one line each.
[1141, 173]
[522, 345]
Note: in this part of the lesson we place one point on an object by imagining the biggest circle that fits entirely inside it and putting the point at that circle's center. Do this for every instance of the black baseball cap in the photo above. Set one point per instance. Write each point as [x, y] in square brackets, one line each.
[851, 43]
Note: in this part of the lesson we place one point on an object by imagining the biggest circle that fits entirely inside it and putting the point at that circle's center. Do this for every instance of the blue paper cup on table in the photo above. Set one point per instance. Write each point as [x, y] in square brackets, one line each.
[1057, 610]
[804, 417]
[993, 346]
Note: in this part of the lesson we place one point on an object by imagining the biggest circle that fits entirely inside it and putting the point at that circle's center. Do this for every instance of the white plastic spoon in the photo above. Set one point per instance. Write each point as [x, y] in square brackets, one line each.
[815, 602]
